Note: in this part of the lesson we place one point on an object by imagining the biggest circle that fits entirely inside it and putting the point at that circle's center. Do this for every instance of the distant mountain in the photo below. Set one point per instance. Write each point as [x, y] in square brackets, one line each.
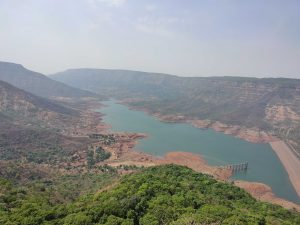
[37, 83]
[123, 83]
[270, 104]
[233, 100]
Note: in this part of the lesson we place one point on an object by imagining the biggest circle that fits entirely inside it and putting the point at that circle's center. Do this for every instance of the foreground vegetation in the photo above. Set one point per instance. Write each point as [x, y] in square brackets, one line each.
[159, 195]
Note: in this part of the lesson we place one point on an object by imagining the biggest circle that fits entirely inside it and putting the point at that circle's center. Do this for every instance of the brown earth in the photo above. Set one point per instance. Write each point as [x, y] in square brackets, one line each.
[280, 113]
[191, 160]
[264, 193]
[195, 162]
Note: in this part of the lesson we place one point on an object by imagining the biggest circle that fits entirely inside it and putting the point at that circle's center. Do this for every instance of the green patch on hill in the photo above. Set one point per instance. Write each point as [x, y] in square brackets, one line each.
[159, 195]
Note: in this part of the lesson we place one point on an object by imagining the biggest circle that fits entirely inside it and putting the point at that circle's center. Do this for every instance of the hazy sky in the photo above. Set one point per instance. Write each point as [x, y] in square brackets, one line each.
[184, 37]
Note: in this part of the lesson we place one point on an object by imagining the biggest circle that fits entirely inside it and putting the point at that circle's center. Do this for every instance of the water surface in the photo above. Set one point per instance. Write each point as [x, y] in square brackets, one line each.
[217, 148]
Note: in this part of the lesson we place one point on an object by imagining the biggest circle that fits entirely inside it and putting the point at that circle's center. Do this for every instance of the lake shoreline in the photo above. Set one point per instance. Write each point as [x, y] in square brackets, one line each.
[128, 155]
[263, 192]
[196, 162]
[132, 156]
[253, 135]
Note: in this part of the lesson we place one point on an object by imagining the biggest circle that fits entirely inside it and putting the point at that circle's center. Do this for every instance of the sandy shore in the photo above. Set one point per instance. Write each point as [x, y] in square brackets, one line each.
[259, 191]
[191, 160]
[289, 161]
[264, 193]
[196, 163]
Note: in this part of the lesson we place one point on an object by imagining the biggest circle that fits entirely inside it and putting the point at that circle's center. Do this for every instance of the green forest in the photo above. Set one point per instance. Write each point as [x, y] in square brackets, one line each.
[168, 194]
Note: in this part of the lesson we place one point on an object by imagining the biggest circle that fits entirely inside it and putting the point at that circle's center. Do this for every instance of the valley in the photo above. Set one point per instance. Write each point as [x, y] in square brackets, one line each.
[56, 149]
[127, 112]
[259, 110]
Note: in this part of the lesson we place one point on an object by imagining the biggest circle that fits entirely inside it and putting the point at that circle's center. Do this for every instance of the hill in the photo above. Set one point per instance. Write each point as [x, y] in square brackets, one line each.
[16, 101]
[31, 126]
[158, 195]
[120, 82]
[20, 107]
[267, 104]
[37, 83]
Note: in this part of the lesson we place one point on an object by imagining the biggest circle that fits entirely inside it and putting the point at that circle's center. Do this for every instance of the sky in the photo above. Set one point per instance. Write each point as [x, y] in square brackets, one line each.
[258, 38]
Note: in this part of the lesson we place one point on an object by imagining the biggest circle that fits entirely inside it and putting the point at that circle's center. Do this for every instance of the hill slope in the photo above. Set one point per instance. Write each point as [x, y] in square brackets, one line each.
[16, 101]
[28, 125]
[37, 83]
[119, 82]
[159, 195]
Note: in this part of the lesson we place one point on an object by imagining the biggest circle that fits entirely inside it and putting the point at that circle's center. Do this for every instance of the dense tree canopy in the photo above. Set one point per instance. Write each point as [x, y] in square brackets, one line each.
[168, 194]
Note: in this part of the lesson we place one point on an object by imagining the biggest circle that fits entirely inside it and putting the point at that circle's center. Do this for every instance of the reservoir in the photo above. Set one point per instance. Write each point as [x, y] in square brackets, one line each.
[216, 148]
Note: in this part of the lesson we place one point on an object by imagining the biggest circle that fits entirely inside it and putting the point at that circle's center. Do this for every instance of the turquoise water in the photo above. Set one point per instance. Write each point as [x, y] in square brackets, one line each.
[217, 148]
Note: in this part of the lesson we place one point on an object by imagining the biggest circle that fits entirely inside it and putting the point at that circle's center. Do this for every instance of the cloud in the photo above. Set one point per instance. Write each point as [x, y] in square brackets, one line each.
[158, 26]
[112, 3]
[151, 7]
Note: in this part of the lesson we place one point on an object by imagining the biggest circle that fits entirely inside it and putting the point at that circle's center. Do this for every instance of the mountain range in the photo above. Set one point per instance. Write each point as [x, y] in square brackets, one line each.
[267, 104]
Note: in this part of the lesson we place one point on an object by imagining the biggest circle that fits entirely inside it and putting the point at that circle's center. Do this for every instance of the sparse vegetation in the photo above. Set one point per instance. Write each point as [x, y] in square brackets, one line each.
[97, 155]
[107, 139]
[101, 154]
